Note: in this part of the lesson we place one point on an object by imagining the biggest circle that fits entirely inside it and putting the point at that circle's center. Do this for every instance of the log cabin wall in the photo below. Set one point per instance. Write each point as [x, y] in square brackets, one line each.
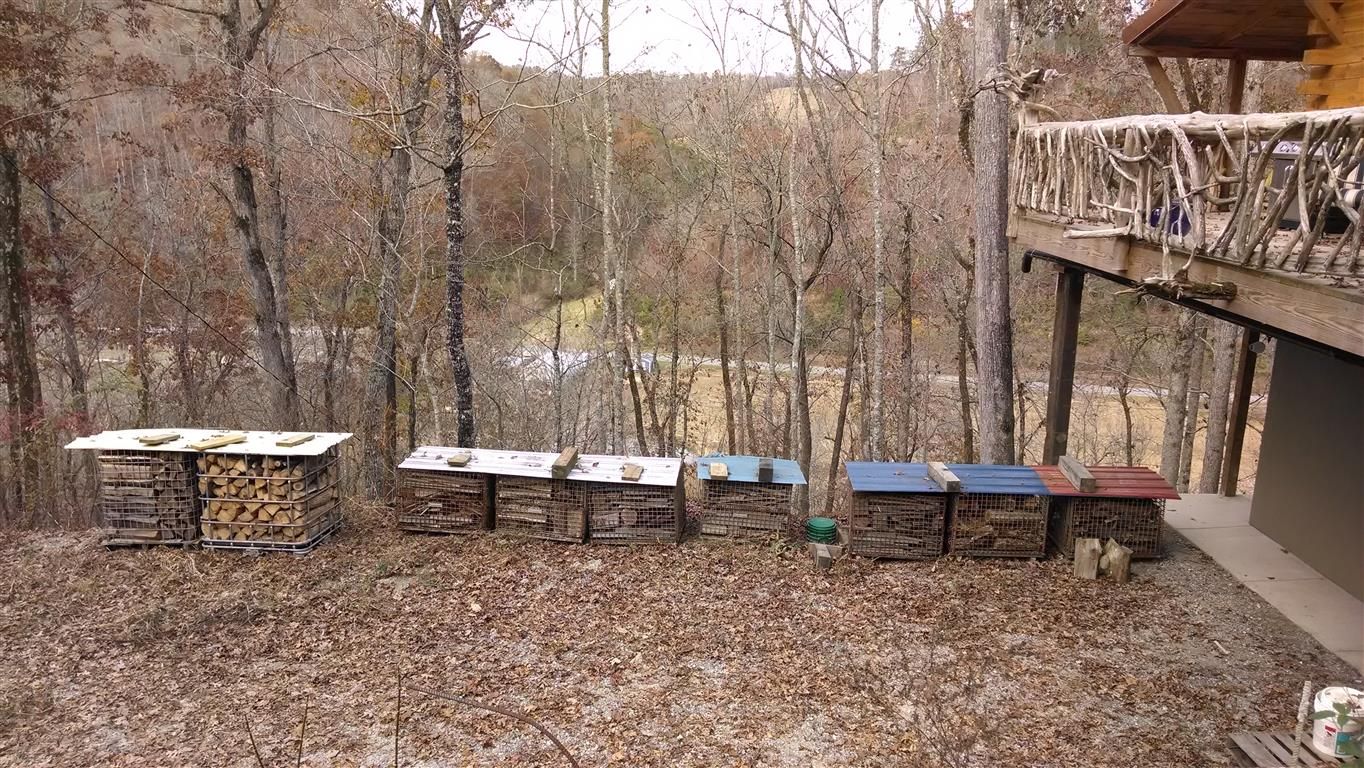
[1335, 75]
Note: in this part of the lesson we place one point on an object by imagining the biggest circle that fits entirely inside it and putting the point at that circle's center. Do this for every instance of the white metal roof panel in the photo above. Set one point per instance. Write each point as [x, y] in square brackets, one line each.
[256, 443]
[591, 468]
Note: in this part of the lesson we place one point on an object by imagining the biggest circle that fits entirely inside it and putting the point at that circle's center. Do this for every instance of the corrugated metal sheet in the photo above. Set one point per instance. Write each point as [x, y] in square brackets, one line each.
[999, 479]
[255, 443]
[591, 468]
[1113, 483]
[889, 477]
[744, 469]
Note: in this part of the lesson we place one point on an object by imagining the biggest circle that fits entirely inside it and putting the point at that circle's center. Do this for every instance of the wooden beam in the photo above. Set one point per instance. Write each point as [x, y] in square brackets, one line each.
[1317, 311]
[1078, 474]
[1065, 330]
[764, 470]
[1326, 14]
[1239, 413]
[1231, 51]
[293, 440]
[460, 459]
[944, 477]
[159, 439]
[719, 470]
[1164, 87]
[631, 472]
[564, 464]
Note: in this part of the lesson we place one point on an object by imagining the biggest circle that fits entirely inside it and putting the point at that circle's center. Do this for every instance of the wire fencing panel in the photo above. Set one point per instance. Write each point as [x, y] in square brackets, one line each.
[620, 513]
[1133, 523]
[744, 509]
[444, 502]
[553, 510]
[897, 525]
[256, 501]
[1000, 525]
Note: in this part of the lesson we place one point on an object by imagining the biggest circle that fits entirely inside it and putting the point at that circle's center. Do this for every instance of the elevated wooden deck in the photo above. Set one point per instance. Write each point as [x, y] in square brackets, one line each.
[1268, 206]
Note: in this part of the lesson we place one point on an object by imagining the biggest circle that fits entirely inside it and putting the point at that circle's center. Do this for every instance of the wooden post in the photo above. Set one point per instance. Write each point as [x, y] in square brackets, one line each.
[564, 464]
[1240, 410]
[1070, 285]
[1236, 85]
[944, 477]
[764, 470]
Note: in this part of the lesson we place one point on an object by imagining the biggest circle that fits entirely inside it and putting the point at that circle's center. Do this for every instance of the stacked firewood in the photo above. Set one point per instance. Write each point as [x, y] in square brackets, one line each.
[897, 525]
[266, 499]
[543, 509]
[744, 509]
[627, 514]
[147, 498]
[1000, 525]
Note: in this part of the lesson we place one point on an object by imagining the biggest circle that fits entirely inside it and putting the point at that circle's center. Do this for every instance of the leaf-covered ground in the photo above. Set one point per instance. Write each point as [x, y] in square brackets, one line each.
[699, 655]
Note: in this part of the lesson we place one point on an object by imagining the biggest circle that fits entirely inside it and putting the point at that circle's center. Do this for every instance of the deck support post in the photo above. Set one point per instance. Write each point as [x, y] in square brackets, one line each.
[1240, 411]
[1070, 283]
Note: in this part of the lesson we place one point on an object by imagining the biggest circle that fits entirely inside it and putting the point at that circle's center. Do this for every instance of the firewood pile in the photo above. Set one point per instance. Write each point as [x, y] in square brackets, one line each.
[268, 502]
[538, 508]
[634, 514]
[147, 498]
[1000, 525]
[744, 509]
[1133, 523]
[897, 525]
[443, 502]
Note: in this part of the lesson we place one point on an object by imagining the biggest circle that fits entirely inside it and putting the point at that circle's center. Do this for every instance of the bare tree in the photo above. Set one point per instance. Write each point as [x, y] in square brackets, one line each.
[994, 330]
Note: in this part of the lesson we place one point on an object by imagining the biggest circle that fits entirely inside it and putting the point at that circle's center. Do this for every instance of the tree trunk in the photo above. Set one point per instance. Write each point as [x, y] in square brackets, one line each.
[452, 44]
[908, 410]
[241, 48]
[994, 332]
[844, 399]
[21, 368]
[1224, 345]
[1192, 406]
[968, 444]
[1176, 396]
[64, 306]
[731, 444]
[878, 332]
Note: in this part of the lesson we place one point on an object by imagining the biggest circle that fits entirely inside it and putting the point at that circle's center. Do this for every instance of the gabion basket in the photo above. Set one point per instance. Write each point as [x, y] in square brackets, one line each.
[147, 498]
[907, 526]
[744, 509]
[267, 502]
[1133, 523]
[1000, 525]
[444, 502]
[553, 510]
[620, 513]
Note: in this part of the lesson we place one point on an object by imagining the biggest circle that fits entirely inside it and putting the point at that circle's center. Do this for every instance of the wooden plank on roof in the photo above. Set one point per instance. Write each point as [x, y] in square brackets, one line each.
[719, 470]
[764, 470]
[460, 459]
[564, 463]
[1078, 474]
[944, 477]
[631, 472]
[294, 440]
[158, 439]
[219, 441]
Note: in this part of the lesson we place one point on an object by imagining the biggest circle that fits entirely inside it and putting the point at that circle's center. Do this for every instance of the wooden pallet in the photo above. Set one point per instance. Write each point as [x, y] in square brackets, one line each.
[1261, 749]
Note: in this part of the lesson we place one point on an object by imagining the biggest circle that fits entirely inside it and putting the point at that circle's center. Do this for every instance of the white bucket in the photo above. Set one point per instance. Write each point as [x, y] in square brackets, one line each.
[1328, 737]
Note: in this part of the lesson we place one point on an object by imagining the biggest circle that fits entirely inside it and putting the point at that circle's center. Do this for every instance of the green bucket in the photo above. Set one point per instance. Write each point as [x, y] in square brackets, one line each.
[822, 530]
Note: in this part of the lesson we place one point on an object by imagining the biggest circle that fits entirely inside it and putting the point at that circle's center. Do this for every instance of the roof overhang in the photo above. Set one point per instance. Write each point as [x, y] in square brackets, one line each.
[1253, 30]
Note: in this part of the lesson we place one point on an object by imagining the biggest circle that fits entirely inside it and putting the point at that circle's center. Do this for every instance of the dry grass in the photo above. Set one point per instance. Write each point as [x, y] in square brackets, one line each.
[699, 655]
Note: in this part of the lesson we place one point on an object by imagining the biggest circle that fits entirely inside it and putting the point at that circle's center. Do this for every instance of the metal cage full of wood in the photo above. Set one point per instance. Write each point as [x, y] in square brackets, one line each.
[444, 502]
[741, 510]
[147, 497]
[622, 513]
[254, 501]
[1133, 523]
[1000, 525]
[539, 508]
[907, 526]
[1206, 184]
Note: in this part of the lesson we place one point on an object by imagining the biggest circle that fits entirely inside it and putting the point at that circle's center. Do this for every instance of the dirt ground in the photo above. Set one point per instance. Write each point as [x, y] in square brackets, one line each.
[697, 655]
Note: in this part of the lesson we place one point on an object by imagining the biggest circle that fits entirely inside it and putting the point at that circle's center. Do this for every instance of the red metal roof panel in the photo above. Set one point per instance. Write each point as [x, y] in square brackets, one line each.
[1113, 483]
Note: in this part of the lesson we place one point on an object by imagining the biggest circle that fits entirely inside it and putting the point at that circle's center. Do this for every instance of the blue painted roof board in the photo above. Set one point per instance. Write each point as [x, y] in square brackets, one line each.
[999, 479]
[744, 469]
[889, 477]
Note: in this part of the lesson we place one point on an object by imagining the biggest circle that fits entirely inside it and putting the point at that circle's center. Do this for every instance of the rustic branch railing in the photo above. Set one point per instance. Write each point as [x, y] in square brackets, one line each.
[1225, 187]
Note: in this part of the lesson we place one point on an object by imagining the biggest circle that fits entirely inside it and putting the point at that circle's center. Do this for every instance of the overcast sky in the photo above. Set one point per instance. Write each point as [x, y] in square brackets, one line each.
[675, 35]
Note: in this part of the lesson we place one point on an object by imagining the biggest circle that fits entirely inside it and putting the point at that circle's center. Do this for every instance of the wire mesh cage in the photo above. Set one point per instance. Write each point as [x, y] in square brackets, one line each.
[744, 509]
[1134, 523]
[147, 497]
[620, 513]
[444, 502]
[269, 502]
[554, 510]
[1000, 525]
[908, 526]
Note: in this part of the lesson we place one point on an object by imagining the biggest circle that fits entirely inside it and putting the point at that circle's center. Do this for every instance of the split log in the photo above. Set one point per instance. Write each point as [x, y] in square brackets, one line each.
[1116, 562]
[1087, 555]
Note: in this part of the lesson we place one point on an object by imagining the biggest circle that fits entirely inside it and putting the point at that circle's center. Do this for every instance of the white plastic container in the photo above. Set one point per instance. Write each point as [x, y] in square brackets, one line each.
[1328, 737]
